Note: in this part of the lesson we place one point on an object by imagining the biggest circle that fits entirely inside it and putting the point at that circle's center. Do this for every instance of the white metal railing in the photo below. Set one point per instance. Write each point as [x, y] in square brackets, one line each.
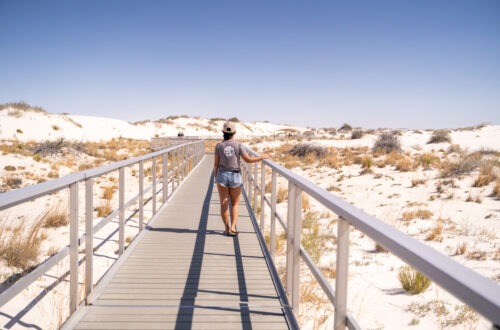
[478, 292]
[182, 159]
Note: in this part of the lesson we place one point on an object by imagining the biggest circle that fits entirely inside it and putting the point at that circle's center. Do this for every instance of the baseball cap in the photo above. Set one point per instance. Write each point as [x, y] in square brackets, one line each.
[229, 127]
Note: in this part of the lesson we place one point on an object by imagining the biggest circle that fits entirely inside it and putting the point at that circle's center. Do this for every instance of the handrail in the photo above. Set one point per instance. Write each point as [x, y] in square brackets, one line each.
[478, 292]
[183, 157]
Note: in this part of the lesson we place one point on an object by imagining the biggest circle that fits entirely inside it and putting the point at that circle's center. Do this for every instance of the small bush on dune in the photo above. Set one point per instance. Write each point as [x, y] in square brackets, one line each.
[387, 143]
[440, 136]
[304, 149]
[345, 127]
[464, 165]
[413, 281]
[357, 134]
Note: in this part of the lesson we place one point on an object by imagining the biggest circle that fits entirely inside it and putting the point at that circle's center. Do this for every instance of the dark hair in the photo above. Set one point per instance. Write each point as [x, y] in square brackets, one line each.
[227, 136]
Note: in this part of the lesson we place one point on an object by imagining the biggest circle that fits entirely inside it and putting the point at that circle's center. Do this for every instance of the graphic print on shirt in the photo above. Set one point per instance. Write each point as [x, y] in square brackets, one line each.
[229, 151]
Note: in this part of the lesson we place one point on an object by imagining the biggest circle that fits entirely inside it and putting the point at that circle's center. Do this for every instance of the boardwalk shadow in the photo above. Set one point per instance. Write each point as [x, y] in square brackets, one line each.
[188, 305]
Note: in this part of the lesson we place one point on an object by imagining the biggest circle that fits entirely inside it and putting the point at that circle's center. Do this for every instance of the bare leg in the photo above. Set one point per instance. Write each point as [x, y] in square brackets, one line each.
[224, 203]
[235, 200]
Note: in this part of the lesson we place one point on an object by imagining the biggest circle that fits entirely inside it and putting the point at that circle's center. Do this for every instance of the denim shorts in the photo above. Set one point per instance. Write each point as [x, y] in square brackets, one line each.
[229, 179]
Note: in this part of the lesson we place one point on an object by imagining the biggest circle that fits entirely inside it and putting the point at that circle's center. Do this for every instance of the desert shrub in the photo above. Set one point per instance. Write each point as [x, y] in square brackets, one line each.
[9, 168]
[108, 192]
[57, 216]
[464, 165]
[435, 233]
[282, 195]
[20, 247]
[496, 190]
[426, 160]
[12, 181]
[49, 147]
[440, 136]
[486, 175]
[357, 134]
[21, 106]
[304, 149]
[387, 143]
[20, 131]
[380, 248]
[55, 127]
[104, 208]
[405, 165]
[234, 120]
[417, 181]
[454, 148]
[413, 281]
[345, 127]
[413, 214]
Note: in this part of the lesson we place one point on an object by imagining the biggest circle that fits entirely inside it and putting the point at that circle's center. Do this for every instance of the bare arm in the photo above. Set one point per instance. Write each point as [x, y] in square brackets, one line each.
[216, 165]
[251, 159]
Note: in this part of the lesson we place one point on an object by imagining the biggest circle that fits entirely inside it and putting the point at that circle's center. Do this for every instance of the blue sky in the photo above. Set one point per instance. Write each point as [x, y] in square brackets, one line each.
[401, 64]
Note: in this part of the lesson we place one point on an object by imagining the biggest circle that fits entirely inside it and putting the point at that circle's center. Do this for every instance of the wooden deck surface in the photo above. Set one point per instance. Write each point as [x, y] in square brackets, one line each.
[185, 274]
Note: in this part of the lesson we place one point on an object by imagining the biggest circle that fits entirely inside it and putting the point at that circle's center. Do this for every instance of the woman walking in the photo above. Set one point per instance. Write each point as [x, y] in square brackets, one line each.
[227, 173]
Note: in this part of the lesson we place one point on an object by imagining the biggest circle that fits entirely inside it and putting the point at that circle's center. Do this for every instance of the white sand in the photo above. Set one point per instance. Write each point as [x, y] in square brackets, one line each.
[375, 295]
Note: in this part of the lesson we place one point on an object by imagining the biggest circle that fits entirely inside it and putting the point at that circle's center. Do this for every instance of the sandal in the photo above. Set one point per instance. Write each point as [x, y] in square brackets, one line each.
[234, 233]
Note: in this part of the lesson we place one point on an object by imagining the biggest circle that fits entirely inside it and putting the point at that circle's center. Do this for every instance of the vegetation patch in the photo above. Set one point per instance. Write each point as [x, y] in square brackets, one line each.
[440, 136]
[413, 281]
[387, 143]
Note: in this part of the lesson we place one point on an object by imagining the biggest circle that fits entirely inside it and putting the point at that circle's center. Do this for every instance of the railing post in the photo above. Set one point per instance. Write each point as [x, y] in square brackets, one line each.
[296, 239]
[121, 217]
[341, 275]
[153, 188]
[262, 195]
[141, 195]
[89, 237]
[289, 239]
[172, 167]
[179, 164]
[249, 185]
[273, 214]
[73, 244]
[164, 164]
[186, 161]
[255, 185]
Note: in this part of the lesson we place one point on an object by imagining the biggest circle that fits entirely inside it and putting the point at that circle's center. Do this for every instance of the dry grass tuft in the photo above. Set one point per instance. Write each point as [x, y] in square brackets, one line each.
[282, 195]
[413, 214]
[435, 233]
[108, 192]
[20, 246]
[405, 165]
[104, 208]
[427, 160]
[417, 181]
[486, 175]
[56, 216]
[413, 281]
[461, 249]
[496, 190]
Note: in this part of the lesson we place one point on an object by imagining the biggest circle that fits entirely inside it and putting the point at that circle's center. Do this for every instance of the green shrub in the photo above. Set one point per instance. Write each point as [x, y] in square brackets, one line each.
[413, 281]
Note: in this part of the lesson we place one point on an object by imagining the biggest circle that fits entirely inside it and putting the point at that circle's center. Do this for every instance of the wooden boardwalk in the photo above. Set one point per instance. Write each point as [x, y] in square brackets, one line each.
[183, 273]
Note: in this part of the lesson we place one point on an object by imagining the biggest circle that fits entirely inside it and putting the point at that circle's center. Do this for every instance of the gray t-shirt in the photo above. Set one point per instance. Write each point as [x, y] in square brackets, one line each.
[229, 155]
